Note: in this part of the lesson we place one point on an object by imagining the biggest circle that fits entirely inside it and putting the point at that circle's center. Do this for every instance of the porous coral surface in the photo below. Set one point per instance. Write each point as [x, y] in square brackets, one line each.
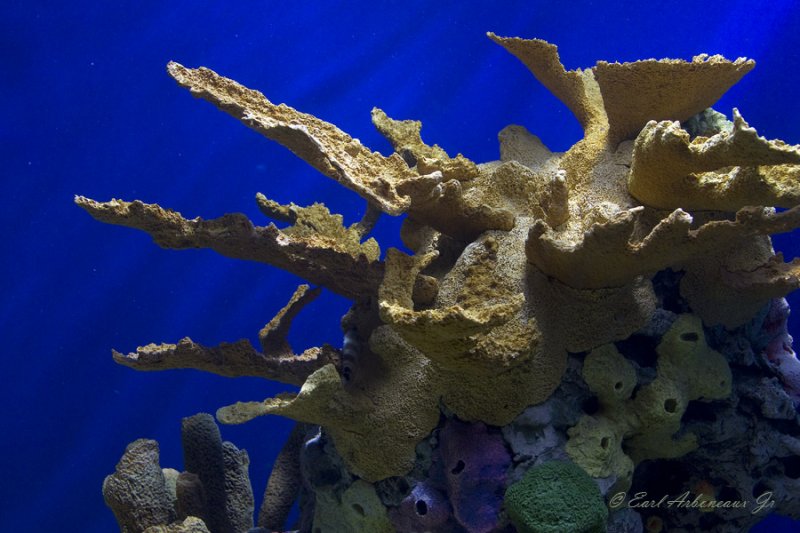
[514, 264]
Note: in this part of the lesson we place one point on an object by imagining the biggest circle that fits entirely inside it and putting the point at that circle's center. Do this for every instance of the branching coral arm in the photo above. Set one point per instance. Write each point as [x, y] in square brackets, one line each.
[349, 273]
[277, 363]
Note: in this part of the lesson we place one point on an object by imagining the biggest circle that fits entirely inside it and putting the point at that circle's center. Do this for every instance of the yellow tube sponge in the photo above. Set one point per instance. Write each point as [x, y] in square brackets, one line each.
[646, 423]
[685, 358]
[609, 375]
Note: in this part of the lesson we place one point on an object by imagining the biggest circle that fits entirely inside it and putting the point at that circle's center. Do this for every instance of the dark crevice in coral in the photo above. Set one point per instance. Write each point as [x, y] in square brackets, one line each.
[660, 477]
[666, 285]
[787, 427]
[392, 490]
[791, 466]
[640, 349]
[706, 123]
[409, 158]
[749, 406]
[590, 406]
[700, 412]
[449, 251]
[759, 489]
[322, 466]
[743, 346]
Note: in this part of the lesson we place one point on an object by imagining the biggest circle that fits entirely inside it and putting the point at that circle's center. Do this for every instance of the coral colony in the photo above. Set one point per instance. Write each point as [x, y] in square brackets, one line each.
[582, 341]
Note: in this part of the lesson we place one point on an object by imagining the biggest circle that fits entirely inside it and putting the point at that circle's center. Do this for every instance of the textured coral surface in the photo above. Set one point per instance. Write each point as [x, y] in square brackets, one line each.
[511, 265]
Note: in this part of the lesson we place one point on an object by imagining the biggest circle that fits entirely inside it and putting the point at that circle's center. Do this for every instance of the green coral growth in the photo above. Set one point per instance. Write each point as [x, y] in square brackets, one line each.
[647, 423]
[556, 497]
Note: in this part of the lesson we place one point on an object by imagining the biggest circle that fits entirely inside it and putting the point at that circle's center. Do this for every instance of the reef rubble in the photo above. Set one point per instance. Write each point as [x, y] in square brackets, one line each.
[610, 317]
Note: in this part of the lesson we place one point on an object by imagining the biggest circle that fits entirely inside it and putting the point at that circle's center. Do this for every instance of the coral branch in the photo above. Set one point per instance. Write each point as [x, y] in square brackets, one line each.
[227, 359]
[322, 145]
[541, 194]
[385, 182]
[608, 255]
[406, 140]
[312, 404]
[273, 335]
[624, 97]
[368, 221]
[277, 363]
[635, 93]
[316, 225]
[577, 89]
[671, 170]
[348, 270]
[457, 206]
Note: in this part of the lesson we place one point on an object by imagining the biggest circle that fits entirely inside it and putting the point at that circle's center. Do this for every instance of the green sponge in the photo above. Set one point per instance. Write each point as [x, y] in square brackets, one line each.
[556, 497]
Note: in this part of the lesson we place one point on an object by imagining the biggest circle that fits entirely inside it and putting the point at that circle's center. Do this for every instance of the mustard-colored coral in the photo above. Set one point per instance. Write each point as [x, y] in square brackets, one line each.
[514, 262]
[376, 428]
[724, 172]
[647, 422]
[277, 362]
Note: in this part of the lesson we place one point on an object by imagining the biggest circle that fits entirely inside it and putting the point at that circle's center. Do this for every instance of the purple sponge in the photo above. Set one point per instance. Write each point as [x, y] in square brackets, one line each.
[475, 461]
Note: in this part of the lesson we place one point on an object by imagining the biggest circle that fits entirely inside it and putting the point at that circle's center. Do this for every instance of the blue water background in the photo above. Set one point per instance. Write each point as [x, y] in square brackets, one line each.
[87, 108]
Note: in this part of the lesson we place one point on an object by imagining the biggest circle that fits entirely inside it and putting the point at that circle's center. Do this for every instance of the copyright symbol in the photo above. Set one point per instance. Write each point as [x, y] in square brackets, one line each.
[617, 500]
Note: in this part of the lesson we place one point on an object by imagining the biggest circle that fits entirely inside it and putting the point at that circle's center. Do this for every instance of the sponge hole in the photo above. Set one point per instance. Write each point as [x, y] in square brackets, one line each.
[671, 405]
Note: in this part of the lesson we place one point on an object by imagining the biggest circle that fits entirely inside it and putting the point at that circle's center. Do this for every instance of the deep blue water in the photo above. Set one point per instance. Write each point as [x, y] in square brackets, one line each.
[88, 109]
